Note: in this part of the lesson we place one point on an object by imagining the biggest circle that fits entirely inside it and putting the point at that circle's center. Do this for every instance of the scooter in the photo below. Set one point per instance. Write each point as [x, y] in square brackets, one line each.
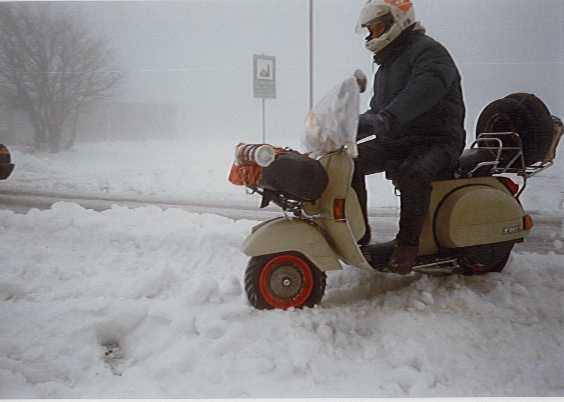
[474, 220]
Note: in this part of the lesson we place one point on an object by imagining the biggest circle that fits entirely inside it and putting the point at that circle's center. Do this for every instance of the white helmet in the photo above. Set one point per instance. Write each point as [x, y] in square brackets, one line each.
[399, 12]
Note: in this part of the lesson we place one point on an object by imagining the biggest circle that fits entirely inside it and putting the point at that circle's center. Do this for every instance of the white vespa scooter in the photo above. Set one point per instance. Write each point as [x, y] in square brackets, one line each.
[473, 222]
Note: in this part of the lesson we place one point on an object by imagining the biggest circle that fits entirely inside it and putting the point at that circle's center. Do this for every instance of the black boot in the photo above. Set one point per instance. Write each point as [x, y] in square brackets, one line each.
[403, 259]
[378, 254]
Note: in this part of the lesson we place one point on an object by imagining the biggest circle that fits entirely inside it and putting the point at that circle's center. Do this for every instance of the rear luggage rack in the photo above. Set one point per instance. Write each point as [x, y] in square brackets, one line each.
[508, 159]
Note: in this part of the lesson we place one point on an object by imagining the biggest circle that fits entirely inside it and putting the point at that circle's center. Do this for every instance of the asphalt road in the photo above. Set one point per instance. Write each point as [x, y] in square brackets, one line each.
[547, 236]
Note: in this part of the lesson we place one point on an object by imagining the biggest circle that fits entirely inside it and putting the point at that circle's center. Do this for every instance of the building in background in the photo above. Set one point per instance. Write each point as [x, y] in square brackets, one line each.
[129, 121]
[174, 56]
[106, 121]
[6, 126]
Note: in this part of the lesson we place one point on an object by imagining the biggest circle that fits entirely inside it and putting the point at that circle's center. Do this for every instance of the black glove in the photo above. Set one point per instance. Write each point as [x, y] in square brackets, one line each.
[378, 124]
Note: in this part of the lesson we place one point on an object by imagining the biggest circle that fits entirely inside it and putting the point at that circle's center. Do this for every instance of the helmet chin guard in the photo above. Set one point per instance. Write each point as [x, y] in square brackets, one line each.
[403, 15]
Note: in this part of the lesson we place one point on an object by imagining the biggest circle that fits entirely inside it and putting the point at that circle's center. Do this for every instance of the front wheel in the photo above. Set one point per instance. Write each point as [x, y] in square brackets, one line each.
[282, 281]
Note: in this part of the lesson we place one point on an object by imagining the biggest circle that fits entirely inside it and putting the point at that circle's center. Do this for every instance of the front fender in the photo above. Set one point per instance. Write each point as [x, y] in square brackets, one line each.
[283, 234]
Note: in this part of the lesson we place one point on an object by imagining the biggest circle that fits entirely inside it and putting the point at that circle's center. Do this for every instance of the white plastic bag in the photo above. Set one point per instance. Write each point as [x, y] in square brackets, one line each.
[333, 122]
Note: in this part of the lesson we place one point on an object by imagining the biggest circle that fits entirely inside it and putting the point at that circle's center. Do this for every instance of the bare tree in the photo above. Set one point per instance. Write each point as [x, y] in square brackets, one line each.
[51, 68]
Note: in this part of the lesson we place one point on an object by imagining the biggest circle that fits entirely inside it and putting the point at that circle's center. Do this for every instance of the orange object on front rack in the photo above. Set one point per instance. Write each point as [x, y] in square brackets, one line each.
[245, 175]
[246, 171]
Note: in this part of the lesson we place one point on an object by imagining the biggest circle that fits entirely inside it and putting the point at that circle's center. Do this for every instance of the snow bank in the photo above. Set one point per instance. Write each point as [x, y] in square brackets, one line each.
[196, 172]
[174, 171]
[150, 303]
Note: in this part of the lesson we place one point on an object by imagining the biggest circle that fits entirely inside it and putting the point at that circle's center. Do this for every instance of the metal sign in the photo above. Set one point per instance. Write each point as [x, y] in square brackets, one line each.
[264, 73]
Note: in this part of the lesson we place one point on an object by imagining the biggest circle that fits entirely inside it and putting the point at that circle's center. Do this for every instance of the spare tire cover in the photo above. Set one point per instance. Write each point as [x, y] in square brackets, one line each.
[524, 114]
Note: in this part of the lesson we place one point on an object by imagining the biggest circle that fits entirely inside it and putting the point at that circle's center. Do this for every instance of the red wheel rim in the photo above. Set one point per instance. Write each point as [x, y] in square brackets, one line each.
[298, 265]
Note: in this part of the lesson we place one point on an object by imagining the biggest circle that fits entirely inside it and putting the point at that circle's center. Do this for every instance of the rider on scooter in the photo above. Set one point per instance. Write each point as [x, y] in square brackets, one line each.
[416, 113]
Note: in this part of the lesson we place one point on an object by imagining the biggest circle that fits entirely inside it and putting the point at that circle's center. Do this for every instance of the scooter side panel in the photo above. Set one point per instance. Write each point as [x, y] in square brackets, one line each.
[283, 234]
[442, 189]
[354, 215]
[479, 214]
[344, 233]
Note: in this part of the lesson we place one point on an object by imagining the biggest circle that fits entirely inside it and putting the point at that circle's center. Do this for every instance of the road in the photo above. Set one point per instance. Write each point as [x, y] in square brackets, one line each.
[547, 236]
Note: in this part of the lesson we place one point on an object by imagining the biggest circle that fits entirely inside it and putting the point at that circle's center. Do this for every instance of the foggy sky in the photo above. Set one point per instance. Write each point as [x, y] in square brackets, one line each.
[198, 55]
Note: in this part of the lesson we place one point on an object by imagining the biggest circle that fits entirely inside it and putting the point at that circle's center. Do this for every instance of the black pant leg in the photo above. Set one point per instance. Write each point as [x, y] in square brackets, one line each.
[415, 177]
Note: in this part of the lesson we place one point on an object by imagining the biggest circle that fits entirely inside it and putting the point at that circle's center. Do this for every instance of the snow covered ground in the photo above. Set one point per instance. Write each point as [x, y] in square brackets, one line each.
[150, 303]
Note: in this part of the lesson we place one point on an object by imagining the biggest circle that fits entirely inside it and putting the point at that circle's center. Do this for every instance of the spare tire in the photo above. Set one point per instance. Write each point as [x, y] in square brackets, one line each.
[543, 125]
[524, 114]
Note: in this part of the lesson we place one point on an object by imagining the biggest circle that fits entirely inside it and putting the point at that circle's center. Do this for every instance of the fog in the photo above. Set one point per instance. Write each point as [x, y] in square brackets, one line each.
[148, 301]
[188, 64]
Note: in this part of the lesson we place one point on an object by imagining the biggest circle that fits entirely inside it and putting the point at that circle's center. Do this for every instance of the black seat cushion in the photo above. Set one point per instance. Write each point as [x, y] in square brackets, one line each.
[470, 158]
[296, 175]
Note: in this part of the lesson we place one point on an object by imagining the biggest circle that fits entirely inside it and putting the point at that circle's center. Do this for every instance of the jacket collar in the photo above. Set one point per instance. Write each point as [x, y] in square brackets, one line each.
[394, 49]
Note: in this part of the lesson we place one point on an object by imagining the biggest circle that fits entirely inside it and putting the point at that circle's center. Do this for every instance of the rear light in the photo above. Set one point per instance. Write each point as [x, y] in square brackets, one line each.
[339, 209]
[528, 222]
[509, 184]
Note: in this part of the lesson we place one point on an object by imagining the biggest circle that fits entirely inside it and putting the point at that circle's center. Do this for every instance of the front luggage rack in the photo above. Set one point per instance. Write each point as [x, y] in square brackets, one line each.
[508, 159]
[287, 204]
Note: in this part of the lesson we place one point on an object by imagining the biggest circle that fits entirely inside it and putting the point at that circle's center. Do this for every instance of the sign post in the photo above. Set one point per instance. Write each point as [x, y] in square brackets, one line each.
[311, 32]
[264, 83]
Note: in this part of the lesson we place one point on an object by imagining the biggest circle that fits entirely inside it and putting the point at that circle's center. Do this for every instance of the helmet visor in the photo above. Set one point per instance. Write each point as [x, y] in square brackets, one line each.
[370, 12]
[377, 27]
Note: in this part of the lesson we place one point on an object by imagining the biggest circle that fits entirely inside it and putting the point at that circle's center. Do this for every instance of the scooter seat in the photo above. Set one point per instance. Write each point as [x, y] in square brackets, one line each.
[468, 161]
[471, 158]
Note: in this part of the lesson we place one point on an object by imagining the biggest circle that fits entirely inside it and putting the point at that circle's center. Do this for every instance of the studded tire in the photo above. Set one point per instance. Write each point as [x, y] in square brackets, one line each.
[282, 281]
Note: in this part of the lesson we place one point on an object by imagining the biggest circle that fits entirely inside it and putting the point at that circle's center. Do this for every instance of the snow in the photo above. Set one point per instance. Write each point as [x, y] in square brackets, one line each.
[196, 172]
[150, 303]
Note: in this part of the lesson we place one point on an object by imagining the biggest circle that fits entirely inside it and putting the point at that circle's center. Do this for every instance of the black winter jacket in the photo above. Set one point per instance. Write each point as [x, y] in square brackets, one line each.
[418, 86]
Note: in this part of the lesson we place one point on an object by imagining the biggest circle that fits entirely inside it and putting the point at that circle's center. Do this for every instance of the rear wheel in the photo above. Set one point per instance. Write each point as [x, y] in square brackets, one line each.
[480, 260]
[282, 281]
